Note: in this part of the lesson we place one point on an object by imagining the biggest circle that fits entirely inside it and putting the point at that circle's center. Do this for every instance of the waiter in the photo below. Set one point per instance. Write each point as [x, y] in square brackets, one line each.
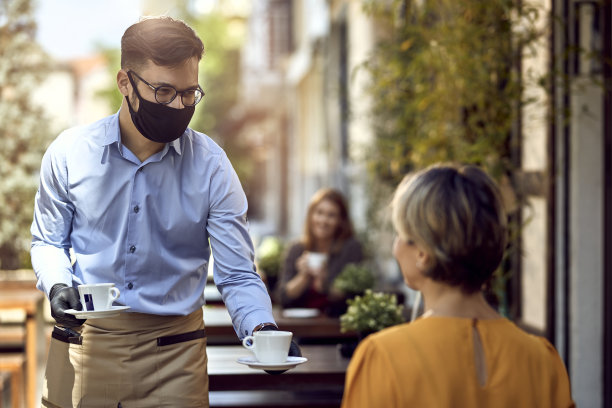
[140, 200]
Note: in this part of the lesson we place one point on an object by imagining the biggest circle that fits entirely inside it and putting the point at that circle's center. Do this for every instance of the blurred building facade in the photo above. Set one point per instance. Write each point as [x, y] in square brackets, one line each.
[566, 156]
[297, 67]
[70, 92]
[579, 197]
[300, 64]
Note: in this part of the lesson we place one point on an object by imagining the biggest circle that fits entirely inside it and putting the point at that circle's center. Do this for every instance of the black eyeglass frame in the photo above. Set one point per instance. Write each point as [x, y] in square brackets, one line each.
[176, 92]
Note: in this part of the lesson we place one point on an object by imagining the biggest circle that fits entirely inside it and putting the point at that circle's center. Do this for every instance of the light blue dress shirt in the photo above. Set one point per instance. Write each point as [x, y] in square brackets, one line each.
[146, 226]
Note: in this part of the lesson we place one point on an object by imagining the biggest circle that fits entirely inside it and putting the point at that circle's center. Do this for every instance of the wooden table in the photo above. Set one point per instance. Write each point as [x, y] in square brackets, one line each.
[318, 382]
[320, 329]
[31, 302]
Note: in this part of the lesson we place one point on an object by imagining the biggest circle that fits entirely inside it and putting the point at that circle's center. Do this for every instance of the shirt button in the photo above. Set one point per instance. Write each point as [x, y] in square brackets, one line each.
[136, 209]
[130, 285]
[132, 249]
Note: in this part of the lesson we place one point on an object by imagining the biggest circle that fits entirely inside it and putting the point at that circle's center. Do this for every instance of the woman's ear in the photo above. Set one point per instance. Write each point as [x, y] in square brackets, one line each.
[123, 82]
[422, 259]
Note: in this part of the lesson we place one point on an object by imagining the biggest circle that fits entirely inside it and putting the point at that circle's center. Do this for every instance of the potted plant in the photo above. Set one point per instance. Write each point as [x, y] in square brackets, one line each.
[367, 314]
[371, 312]
[269, 258]
[354, 279]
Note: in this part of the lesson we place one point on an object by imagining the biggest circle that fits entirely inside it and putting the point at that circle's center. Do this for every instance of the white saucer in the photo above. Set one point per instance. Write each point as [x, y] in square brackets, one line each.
[301, 312]
[94, 314]
[290, 363]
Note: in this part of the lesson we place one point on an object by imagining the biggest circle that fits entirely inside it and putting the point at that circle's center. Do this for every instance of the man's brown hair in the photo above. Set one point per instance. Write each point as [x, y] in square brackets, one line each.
[163, 40]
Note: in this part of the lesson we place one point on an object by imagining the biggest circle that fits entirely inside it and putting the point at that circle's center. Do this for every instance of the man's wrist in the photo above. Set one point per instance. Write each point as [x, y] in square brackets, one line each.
[56, 288]
[262, 325]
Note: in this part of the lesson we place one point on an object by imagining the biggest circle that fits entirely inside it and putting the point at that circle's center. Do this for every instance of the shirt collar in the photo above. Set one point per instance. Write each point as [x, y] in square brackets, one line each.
[176, 144]
[112, 135]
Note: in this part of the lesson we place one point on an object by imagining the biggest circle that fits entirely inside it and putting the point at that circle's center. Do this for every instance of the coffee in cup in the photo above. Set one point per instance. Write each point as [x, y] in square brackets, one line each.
[269, 346]
[98, 296]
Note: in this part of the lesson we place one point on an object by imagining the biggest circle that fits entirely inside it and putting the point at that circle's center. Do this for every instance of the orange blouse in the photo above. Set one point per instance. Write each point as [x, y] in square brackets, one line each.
[430, 363]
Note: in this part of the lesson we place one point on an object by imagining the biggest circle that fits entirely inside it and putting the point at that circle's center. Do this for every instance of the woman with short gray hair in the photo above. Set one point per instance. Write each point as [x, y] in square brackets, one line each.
[451, 235]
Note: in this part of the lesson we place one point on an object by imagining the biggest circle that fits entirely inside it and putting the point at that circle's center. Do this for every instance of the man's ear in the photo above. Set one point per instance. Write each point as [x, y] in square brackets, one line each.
[123, 82]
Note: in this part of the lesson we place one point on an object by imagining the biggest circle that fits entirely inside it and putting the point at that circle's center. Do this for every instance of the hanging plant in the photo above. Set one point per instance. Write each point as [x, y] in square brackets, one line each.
[445, 86]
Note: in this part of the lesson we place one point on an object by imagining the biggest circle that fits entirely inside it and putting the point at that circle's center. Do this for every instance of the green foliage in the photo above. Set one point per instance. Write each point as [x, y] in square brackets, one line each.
[219, 71]
[110, 93]
[219, 77]
[355, 279]
[371, 312]
[445, 87]
[444, 83]
[269, 256]
[23, 129]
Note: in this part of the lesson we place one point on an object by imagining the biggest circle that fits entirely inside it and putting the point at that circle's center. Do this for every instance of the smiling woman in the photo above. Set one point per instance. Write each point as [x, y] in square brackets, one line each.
[312, 264]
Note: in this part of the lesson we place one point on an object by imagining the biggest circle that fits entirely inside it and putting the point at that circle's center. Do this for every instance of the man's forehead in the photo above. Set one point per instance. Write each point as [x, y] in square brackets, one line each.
[181, 76]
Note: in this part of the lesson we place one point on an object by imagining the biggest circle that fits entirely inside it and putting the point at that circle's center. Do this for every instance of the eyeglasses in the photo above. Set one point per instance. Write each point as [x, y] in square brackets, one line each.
[165, 94]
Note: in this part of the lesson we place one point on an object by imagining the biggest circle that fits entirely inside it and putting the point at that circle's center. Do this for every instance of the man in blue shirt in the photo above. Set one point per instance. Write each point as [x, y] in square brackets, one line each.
[141, 200]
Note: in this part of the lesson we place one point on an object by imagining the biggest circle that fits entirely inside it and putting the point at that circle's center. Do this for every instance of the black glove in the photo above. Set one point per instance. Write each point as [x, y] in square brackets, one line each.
[62, 297]
[294, 350]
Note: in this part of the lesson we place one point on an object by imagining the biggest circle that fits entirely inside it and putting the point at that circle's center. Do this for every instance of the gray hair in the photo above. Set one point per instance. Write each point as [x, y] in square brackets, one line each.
[455, 213]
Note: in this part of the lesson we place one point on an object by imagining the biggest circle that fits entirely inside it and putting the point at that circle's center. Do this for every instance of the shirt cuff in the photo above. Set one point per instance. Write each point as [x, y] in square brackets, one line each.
[51, 266]
[252, 320]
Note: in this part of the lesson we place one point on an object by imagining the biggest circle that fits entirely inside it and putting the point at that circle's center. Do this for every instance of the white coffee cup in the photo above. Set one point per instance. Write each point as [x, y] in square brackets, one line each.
[316, 259]
[269, 346]
[98, 296]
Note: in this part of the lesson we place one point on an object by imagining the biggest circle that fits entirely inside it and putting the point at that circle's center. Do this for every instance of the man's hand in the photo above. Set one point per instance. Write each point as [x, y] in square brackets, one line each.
[62, 297]
[294, 351]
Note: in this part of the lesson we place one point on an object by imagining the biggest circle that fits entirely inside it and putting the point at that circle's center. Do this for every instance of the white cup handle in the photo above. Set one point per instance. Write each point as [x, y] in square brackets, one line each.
[114, 293]
[245, 343]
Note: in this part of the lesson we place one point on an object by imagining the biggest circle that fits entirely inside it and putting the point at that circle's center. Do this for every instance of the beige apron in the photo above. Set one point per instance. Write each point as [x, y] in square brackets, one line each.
[137, 360]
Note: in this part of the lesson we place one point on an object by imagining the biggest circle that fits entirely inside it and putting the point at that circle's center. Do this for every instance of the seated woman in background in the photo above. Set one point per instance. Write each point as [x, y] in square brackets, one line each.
[452, 231]
[312, 264]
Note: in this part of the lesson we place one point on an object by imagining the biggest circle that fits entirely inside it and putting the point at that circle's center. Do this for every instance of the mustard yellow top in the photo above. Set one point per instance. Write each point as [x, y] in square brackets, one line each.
[430, 363]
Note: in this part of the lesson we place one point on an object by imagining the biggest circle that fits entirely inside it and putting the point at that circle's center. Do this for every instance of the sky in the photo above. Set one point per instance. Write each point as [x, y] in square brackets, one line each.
[72, 28]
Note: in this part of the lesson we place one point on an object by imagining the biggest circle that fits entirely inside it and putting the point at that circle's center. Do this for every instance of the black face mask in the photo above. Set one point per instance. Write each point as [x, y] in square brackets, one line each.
[157, 122]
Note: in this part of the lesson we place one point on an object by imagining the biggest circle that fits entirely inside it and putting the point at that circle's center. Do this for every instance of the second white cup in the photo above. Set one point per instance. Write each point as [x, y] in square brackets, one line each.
[269, 346]
[316, 259]
[98, 296]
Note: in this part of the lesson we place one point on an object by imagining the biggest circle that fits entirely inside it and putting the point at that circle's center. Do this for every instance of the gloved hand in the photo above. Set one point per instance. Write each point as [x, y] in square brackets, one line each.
[294, 351]
[61, 298]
